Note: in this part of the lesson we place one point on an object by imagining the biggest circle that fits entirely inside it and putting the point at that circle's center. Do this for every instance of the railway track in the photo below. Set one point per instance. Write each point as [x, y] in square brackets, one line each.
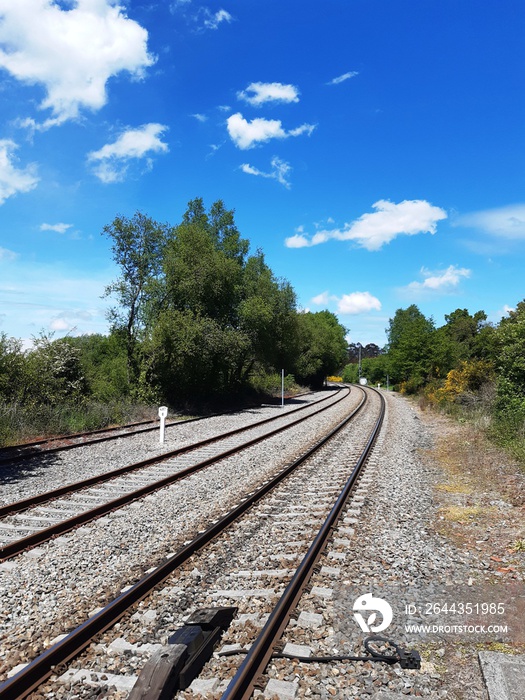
[29, 522]
[60, 443]
[270, 510]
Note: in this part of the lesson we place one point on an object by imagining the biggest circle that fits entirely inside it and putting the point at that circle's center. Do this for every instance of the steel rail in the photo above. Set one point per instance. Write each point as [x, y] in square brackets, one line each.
[29, 453]
[38, 670]
[19, 506]
[4, 459]
[13, 548]
[243, 683]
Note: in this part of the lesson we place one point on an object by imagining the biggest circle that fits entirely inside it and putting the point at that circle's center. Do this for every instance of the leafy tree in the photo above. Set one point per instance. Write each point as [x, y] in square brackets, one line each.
[356, 349]
[104, 366]
[410, 350]
[12, 369]
[375, 369]
[53, 372]
[509, 357]
[225, 232]
[199, 276]
[470, 334]
[322, 347]
[138, 246]
[267, 314]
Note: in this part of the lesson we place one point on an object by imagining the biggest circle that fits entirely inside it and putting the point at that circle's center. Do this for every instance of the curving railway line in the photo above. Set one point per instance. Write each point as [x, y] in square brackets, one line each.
[36, 519]
[298, 507]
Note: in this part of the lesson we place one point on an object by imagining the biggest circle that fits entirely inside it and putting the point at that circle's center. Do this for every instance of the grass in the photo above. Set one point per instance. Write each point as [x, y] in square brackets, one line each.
[19, 423]
[455, 513]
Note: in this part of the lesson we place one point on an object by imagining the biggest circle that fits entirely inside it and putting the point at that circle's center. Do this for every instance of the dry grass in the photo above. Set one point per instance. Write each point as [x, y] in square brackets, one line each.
[480, 492]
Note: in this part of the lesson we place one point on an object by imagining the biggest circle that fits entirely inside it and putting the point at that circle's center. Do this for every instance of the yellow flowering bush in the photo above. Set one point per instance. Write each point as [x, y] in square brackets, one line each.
[468, 377]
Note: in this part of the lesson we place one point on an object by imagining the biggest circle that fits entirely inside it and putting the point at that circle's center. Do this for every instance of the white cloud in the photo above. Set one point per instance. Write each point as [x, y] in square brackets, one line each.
[300, 130]
[213, 20]
[297, 241]
[373, 230]
[13, 179]
[59, 324]
[200, 118]
[280, 171]
[111, 161]
[354, 303]
[257, 94]
[342, 78]
[247, 134]
[506, 310]
[71, 53]
[59, 228]
[504, 222]
[321, 299]
[358, 303]
[7, 255]
[442, 280]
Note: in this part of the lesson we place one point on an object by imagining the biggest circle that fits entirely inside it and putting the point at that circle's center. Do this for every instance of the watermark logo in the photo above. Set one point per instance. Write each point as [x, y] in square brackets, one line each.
[366, 603]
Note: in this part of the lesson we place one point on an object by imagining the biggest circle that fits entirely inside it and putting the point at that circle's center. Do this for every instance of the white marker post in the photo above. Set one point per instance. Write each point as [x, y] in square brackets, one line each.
[282, 388]
[163, 412]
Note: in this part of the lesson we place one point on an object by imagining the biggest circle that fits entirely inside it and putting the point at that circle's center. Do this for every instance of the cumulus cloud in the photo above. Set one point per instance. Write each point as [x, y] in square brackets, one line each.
[257, 94]
[70, 53]
[358, 303]
[504, 222]
[280, 171]
[246, 134]
[110, 163]
[59, 228]
[342, 78]
[440, 281]
[13, 179]
[375, 229]
[354, 303]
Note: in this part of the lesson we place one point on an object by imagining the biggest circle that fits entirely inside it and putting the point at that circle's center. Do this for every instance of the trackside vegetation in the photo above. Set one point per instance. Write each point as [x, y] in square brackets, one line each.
[199, 322]
[468, 367]
[197, 319]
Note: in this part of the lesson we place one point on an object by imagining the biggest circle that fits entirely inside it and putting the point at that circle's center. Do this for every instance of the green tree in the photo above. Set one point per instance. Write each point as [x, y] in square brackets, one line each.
[13, 383]
[104, 365]
[470, 334]
[267, 314]
[53, 372]
[322, 347]
[509, 356]
[411, 358]
[138, 250]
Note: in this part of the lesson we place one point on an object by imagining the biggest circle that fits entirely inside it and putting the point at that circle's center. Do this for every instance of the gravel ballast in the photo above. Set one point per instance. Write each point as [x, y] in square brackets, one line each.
[391, 543]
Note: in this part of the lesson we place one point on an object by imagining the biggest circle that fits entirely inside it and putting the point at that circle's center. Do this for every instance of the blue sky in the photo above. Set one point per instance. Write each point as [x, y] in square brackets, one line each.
[373, 149]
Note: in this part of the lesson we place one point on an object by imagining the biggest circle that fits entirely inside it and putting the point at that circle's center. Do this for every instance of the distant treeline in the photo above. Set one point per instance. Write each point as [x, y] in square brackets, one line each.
[468, 366]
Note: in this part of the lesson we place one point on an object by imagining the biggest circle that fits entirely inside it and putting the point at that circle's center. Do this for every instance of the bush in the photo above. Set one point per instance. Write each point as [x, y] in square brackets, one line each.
[270, 384]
